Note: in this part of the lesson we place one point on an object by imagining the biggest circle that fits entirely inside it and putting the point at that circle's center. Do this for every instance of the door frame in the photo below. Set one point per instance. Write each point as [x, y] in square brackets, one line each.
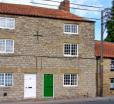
[53, 86]
[36, 86]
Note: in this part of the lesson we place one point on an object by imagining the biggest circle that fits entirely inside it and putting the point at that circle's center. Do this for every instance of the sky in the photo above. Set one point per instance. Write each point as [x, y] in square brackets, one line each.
[93, 14]
[82, 13]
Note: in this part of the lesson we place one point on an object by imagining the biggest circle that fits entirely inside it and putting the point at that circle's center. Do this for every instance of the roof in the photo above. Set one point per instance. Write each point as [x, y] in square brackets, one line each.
[27, 10]
[108, 49]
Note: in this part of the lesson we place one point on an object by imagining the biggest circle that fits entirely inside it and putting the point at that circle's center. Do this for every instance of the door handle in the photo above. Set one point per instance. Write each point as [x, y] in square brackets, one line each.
[29, 87]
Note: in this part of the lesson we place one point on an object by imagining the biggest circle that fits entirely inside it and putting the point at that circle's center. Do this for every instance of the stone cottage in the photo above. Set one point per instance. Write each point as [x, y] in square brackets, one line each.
[108, 68]
[45, 53]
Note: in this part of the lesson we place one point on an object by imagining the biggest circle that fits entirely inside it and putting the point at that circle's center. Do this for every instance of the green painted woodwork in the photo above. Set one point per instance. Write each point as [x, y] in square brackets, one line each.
[48, 85]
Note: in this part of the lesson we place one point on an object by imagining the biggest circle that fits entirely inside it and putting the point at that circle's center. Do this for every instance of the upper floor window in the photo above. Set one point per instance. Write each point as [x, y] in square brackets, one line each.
[6, 79]
[112, 64]
[6, 46]
[70, 80]
[7, 23]
[70, 28]
[70, 49]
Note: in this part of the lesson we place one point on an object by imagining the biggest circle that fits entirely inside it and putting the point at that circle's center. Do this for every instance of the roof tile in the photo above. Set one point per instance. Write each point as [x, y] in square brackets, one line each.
[108, 49]
[18, 9]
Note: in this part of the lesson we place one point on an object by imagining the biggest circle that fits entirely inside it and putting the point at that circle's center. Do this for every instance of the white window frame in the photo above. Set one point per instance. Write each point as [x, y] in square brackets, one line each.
[70, 79]
[112, 68]
[111, 84]
[69, 55]
[5, 80]
[6, 23]
[5, 46]
[70, 32]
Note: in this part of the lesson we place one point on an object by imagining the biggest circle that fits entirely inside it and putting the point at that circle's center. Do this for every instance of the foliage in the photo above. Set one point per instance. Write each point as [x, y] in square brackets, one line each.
[110, 26]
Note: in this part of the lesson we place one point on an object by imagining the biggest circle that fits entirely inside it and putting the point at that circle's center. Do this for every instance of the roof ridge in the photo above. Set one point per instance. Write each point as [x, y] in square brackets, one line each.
[27, 5]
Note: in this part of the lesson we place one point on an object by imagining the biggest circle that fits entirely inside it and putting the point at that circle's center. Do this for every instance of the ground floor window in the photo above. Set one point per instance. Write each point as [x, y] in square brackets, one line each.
[6, 79]
[112, 83]
[70, 80]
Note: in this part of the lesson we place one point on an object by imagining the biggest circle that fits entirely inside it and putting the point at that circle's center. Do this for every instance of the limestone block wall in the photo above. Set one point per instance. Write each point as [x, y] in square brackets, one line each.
[46, 56]
[107, 75]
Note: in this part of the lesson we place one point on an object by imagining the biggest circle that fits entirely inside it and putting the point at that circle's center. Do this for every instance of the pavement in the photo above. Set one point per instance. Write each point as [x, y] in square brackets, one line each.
[97, 100]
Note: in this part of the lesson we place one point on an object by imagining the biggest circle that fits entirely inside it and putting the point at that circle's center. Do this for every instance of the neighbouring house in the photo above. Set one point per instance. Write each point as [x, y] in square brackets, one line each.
[45, 53]
[108, 68]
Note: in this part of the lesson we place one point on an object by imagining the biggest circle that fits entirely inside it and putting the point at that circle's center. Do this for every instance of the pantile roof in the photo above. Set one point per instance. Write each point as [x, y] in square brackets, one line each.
[27, 10]
[108, 49]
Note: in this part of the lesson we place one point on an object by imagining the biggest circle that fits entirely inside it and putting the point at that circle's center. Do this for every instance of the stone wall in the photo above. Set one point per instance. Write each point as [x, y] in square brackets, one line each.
[46, 56]
[107, 74]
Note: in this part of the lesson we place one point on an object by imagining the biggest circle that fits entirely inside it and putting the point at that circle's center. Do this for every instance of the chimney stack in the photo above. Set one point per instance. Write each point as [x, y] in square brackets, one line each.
[65, 5]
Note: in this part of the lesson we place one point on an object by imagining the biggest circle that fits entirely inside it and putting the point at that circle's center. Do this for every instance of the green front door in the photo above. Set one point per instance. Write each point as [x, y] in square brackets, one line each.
[48, 85]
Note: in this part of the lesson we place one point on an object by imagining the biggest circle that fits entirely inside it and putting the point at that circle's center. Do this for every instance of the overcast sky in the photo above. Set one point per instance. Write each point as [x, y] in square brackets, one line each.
[92, 14]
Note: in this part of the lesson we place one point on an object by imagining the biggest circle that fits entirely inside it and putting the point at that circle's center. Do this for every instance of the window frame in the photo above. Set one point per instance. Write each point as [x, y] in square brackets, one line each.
[69, 55]
[70, 31]
[5, 47]
[112, 69]
[6, 23]
[5, 80]
[77, 76]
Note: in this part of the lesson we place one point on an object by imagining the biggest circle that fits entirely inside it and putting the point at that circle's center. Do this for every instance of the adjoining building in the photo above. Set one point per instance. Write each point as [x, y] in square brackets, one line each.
[108, 68]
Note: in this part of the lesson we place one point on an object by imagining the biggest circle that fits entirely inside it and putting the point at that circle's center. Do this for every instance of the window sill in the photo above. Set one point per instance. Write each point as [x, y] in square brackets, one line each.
[6, 53]
[70, 56]
[70, 86]
[3, 28]
[68, 33]
[6, 86]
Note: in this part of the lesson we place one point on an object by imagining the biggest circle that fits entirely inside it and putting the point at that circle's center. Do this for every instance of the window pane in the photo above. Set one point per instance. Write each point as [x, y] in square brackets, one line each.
[73, 49]
[1, 79]
[67, 28]
[67, 49]
[71, 28]
[112, 64]
[70, 49]
[112, 80]
[74, 28]
[10, 23]
[112, 83]
[8, 79]
[2, 45]
[2, 22]
[9, 46]
[67, 79]
[70, 79]
[73, 79]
